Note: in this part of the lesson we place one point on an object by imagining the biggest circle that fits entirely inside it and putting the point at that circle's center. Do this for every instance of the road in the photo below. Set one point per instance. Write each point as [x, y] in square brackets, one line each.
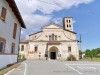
[33, 67]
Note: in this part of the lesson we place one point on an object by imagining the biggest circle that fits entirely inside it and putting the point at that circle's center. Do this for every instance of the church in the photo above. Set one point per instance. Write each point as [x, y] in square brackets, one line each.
[54, 42]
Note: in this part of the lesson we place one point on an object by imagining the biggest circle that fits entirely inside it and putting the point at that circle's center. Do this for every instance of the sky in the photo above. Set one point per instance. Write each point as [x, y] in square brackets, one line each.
[85, 13]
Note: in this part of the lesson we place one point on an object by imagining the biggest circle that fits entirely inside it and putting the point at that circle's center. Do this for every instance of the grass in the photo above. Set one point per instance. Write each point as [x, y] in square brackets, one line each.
[4, 71]
[96, 59]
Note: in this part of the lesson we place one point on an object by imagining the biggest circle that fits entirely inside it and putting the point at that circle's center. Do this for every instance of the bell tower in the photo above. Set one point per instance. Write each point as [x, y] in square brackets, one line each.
[68, 23]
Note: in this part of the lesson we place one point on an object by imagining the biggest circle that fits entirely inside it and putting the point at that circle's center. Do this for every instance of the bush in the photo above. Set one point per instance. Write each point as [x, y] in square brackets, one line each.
[71, 58]
[21, 56]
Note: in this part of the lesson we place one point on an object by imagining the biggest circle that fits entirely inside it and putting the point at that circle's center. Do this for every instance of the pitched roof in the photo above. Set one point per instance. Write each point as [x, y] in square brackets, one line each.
[14, 8]
[55, 25]
[52, 24]
[36, 33]
[59, 27]
[24, 41]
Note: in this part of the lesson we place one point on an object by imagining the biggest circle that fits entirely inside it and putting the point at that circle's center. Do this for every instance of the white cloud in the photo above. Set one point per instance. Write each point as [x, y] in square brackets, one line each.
[47, 7]
[34, 23]
[57, 20]
[33, 20]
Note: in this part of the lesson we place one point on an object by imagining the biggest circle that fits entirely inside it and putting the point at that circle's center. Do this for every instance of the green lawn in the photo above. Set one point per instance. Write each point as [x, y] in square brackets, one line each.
[97, 59]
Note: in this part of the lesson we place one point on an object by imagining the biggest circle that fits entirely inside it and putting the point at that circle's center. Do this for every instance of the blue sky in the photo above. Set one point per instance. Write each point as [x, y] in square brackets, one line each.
[86, 15]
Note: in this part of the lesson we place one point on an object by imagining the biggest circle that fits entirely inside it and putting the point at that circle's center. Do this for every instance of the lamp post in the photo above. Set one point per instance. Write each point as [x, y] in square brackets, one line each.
[46, 55]
[80, 46]
[39, 55]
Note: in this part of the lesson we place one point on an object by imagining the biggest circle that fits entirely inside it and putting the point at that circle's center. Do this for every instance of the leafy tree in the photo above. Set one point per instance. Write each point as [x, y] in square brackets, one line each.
[88, 52]
[93, 52]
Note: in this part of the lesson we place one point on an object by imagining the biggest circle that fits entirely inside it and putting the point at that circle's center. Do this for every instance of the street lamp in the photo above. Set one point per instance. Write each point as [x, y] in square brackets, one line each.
[39, 55]
[46, 55]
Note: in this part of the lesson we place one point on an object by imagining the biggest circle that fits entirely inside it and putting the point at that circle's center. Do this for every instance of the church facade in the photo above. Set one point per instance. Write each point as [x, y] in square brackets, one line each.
[53, 42]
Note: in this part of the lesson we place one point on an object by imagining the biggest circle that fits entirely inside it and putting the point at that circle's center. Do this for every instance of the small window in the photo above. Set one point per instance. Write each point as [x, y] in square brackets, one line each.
[22, 48]
[1, 47]
[70, 26]
[36, 48]
[50, 38]
[67, 25]
[14, 31]
[55, 37]
[13, 48]
[3, 13]
[69, 49]
[69, 21]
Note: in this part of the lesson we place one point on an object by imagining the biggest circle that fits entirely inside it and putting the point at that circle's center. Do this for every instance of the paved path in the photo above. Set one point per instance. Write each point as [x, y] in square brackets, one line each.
[31, 67]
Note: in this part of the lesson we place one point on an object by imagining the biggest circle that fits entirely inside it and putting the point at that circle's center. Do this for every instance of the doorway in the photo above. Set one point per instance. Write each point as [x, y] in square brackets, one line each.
[53, 55]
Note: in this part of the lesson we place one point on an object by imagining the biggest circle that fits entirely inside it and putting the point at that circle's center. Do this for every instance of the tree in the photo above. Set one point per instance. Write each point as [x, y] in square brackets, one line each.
[87, 52]
[92, 53]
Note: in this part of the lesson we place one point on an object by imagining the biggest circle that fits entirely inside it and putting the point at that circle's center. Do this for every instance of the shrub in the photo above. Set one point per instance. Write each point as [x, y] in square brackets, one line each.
[21, 56]
[71, 58]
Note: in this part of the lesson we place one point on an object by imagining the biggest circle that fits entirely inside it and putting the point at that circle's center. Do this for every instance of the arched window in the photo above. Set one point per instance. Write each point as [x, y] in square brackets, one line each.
[22, 48]
[69, 49]
[53, 37]
[67, 25]
[50, 38]
[70, 26]
[35, 48]
[69, 21]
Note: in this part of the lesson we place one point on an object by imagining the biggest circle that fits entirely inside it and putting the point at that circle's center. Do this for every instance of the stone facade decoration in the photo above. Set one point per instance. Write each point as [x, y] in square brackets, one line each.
[53, 42]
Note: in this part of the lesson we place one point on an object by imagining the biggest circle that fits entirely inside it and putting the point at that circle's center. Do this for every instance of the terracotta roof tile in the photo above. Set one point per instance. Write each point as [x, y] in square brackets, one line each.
[24, 41]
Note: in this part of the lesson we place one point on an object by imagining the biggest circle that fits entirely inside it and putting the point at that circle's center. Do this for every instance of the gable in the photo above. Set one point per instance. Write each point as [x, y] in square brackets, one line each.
[52, 26]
